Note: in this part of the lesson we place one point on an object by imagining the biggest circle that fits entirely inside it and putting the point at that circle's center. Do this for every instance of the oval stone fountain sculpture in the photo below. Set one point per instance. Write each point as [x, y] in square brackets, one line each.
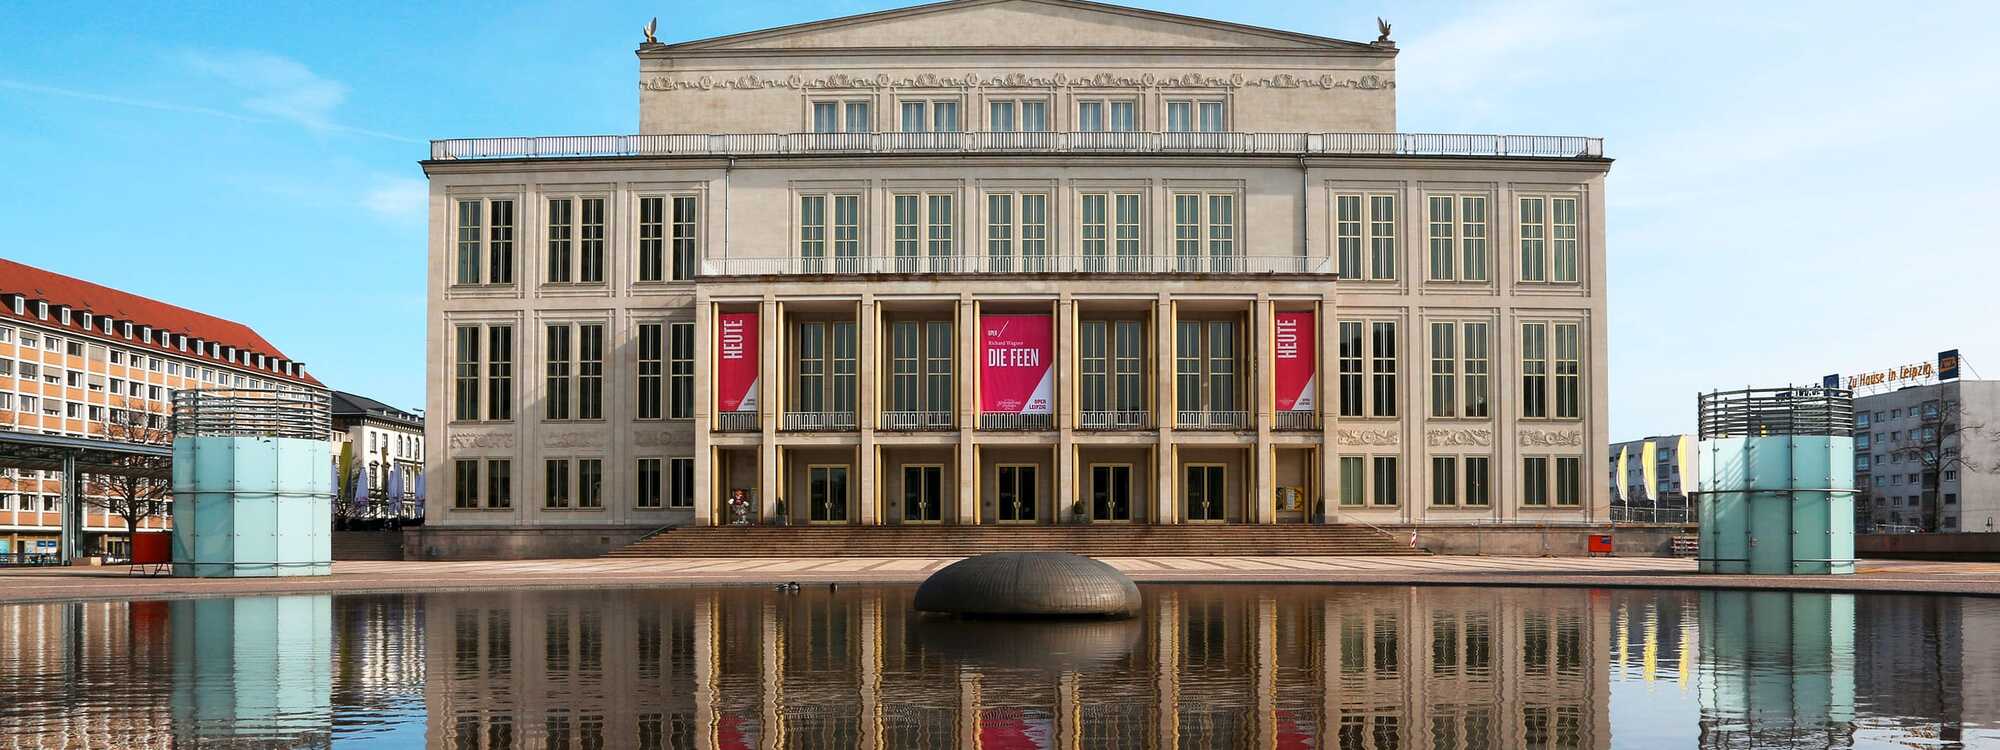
[1029, 584]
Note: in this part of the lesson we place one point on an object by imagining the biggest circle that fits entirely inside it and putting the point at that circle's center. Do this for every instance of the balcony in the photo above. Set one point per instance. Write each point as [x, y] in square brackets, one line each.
[1212, 420]
[818, 421]
[784, 144]
[736, 421]
[1014, 264]
[917, 421]
[1295, 421]
[1016, 422]
[1116, 420]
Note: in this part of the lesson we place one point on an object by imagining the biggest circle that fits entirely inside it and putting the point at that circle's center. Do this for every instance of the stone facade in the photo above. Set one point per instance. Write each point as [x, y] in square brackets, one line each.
[1168, 185]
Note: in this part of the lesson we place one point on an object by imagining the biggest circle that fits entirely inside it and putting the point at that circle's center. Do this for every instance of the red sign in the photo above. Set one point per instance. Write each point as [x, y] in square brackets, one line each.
[1018, 375]
[736, 362]
[1296, 360]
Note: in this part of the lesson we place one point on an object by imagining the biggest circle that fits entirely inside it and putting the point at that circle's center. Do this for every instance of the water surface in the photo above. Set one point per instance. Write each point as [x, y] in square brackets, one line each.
[1204, 667]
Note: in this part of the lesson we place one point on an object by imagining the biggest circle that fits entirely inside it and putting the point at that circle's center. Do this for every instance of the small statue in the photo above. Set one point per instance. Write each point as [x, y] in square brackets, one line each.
[1379, 24]
[654, 25]
[739, 507]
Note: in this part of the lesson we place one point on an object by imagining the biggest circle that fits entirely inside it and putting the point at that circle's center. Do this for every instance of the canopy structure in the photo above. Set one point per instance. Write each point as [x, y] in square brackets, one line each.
[75, 457]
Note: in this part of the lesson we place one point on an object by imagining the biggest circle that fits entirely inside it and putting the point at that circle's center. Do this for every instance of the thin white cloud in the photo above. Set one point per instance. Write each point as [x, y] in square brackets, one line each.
[282, 88]
[36, 88]
[397, 198]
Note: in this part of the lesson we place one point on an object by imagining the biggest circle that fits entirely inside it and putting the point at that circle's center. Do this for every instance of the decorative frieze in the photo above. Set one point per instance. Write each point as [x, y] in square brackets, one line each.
[653, 438]
[482, 440]
[1470, 436]
[1370, 437]
[968, 81]
[575, 440]
[1550, 438]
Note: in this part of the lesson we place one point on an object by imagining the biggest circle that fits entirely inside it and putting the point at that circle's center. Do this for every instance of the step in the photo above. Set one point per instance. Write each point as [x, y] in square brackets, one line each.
[951, 541]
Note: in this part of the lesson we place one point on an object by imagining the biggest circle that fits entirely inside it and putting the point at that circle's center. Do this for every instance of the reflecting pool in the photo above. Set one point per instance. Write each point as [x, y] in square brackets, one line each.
[1203, 667]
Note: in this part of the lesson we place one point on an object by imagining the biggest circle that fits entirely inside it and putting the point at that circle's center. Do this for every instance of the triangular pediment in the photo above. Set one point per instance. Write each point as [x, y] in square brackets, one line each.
[1030, 24]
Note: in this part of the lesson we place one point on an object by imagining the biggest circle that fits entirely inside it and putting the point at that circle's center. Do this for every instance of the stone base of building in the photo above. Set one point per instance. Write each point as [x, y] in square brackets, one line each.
[1563, 540]
[516, 542]
[1967, 547]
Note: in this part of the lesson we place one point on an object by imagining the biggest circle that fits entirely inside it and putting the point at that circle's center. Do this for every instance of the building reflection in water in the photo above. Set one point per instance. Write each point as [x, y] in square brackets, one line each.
[1203, 667]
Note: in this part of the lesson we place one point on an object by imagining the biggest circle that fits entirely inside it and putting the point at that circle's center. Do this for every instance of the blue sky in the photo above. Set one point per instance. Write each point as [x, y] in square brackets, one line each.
[1801, 188]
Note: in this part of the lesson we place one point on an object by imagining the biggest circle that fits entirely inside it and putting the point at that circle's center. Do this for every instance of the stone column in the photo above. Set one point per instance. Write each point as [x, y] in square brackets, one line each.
[770, 402]
[871, 673]
[966, 406]
[707, 674]
[1164, 410]
[1167, 674]
[867, 382]
[1261, 506]
[1264, 650]
[771, 675]
[1064, 418]
[1326, 331]
[706, 494]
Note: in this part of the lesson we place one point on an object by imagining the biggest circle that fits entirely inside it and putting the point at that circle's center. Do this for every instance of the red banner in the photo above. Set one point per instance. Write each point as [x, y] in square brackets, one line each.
[1018, 376]
[1296, 360]
[736, 362]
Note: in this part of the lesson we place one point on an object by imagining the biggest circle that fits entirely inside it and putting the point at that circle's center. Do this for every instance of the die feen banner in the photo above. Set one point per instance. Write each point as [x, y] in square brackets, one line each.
[1296, 358]
[1018, 374]
[736, 362]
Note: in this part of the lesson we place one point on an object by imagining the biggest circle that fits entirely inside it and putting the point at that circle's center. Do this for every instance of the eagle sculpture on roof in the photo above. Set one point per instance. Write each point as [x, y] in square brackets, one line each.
[654, 25]
[1379, 24]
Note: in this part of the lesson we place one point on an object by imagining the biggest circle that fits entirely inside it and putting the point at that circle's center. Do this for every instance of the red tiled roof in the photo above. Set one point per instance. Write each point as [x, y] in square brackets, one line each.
[85, 297]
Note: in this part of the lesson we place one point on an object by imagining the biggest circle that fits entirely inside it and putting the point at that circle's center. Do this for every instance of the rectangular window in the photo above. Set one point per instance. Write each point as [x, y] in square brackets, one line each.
[1191, 116]
[499, 372]
[1017, 115]
[1569, 480]
[1209, 234]
[1353, 480]
[465, 483]
[937, 367]
[667, 227]
[1457, 226]
[905, 359]
[1535, 480]
[930, 116]
[590, 371]
[1444, 370]
[1562, 235]
[465, 374]
[576, 242]
[500, 242]
[1382, 368]
[1365, 236]
[1549, 250]
[590, 483]
[680, 487]
[1477, 368]
[1384, 480]
[1568, 371]
[652, 359]
[499, 483]
[680, 375]
[1478, 480]
[812, 233]
[650, 485]
[1107, 115]
[1008, 231]
[652, 238]
[1444, 480]
[470, 250]
[559, 383]
[811, 395]
[925, 224]
[556, 483]
[1534, 371]
[841, 116]
[1351, 369]
[1094, 361]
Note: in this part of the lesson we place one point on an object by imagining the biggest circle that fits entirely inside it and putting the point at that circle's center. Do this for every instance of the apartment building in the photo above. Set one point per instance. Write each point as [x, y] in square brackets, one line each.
[1925, 458]
[86, 360]
[1653, 478]
[1012, 261]
[377, 442]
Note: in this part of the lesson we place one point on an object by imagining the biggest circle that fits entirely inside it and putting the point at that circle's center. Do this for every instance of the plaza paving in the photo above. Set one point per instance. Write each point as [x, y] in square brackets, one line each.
[47, 584]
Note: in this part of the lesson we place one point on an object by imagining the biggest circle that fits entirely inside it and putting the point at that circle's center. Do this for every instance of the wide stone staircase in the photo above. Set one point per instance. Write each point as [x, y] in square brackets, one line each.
[960, 541]
[367, 545]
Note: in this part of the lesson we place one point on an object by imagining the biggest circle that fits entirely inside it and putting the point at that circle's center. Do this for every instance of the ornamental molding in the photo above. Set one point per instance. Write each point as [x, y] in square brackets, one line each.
[574, 440]
[1369, 437]
[1442, 438]
[1556, 438]
[969, 81]
[483, 440]
[653, 438]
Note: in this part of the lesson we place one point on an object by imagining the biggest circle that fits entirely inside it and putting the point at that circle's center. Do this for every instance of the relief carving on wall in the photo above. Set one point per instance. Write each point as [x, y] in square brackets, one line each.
[574, 440]
[1556, 438]
[1369, 437]
[652, 438]
[796, 81]
[1440, 438]
[483, 440]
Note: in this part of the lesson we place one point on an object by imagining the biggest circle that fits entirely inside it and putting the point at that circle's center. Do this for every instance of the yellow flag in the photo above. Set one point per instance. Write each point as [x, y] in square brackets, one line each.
[1649, 457]
[1684, 458]
[1619, 488]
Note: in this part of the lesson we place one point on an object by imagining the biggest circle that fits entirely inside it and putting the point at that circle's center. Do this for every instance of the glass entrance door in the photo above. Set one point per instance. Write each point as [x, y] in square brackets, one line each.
[1018, 493]
[923, 494]
[826, 490]
[1111, 492]
[1203, 491]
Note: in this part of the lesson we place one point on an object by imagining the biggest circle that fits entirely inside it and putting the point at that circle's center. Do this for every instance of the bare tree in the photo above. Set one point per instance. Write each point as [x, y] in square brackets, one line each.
[139, 492]
[1946, 435]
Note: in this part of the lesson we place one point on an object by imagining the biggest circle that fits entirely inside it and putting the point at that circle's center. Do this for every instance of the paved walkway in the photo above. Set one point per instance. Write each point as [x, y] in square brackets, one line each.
[46, 584]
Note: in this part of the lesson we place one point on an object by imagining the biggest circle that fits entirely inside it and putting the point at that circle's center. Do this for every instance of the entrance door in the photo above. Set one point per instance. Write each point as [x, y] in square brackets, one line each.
[827, 493]
[1018, 493]
[1203, 490]
[923, 494]
[1111, 492]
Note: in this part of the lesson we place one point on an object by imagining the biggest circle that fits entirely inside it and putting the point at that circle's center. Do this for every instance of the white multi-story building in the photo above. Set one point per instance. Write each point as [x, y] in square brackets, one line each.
[379, 439]
[1926, 457]
[86, 360]
[1012, 261]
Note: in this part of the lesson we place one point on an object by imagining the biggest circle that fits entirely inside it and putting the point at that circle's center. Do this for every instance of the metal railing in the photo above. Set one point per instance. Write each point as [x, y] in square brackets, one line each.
[755, 144]
[1003, 264]
[818, 421]
[1019, 422]
[252, 412]
[1211, 420]
[917, 420]
[1295, 420]
[1116, 420]
[1792, 410]
[736, 421]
